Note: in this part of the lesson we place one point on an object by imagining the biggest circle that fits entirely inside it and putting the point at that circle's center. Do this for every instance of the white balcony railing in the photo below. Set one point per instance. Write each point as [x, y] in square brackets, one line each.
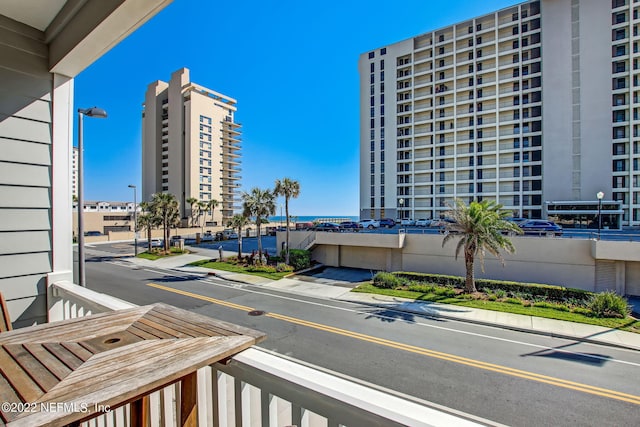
[261, 388]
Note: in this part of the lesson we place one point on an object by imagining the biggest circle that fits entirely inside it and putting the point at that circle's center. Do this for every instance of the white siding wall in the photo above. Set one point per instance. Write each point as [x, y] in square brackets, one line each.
[26, 157]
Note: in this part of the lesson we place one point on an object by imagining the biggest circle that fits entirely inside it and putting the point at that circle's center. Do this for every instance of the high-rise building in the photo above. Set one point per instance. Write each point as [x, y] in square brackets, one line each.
[534, 106]
[190, 145]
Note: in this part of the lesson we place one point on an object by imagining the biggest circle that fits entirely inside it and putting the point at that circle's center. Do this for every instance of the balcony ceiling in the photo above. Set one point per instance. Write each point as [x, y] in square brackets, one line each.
[35, 13]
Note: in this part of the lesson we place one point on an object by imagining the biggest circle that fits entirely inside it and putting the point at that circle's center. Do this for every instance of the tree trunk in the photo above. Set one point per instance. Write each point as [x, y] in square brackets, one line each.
[286, 210]
[258, 220]
[469, 285]
[239, 243]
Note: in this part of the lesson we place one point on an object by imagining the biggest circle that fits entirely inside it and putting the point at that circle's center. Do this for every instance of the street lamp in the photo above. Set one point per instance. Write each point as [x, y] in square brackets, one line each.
[600, 195]
[135, 221]
[401, 203]
[101, 114]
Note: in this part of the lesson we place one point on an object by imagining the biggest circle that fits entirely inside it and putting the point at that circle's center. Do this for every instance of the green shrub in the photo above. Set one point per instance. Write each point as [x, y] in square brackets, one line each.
[513, 301]
[537, 292]
[281, 267]
[609, 304]
[299, 259]
[492, 297]
[261, 269]
[386, 280]
[501, 293]
[447, 292]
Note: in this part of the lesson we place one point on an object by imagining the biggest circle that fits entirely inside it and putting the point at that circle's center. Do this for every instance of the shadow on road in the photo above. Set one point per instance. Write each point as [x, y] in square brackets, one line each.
[593, 359]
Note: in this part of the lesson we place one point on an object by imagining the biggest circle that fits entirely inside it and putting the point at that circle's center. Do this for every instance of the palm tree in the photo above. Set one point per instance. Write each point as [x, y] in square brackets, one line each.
[480, 228]
[259, 204]
[192, 202]
[146, 221]
[202, 210]
[287, 188]
[237, 222]
[211, 206]
[166, 208]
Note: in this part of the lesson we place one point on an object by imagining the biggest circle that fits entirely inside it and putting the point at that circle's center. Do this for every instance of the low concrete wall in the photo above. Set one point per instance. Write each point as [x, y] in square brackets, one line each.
[579, 263]
[566, 262]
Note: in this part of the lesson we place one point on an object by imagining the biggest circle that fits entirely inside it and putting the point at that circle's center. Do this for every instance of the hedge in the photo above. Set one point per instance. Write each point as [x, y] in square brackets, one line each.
[552, 292]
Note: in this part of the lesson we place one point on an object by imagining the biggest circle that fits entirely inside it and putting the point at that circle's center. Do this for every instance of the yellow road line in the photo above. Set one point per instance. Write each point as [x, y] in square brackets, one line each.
[612, 394]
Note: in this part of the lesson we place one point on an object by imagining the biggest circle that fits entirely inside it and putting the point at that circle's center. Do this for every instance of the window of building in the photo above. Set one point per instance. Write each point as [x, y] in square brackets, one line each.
[382, 64]
[371, 55]
[515, 44]
[383, 51]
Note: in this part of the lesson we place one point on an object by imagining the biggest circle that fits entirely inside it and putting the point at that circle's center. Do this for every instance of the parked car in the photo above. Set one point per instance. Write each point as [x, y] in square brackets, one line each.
[369, 223]
[157, 243]
[92, 233]
[326, 226]
[517, 220]
[423, 222]
[540, 227]
[207, 237]
[304, 225]
[387, 222]
[229, 233]
[408, 221]
[350, 225]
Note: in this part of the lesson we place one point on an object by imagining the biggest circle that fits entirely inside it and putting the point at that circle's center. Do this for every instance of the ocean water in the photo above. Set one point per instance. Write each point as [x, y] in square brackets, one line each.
[311, 218]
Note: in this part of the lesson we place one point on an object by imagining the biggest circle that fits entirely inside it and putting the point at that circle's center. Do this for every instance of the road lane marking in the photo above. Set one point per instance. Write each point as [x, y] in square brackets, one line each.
[221, 282]
[558, 382]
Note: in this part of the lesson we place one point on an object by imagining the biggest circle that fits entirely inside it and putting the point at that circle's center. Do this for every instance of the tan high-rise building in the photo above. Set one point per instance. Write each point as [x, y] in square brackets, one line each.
[190, 145]
[534, 106]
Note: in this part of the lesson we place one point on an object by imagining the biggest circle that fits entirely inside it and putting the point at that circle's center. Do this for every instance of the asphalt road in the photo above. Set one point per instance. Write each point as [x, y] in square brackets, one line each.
[509, 377]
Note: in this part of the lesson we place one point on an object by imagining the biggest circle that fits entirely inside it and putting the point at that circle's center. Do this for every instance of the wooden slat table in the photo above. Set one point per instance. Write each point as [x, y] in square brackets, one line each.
[68, 371]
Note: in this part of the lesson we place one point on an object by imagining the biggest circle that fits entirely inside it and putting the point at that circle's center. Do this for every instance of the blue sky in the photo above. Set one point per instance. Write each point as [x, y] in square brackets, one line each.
[292, 66]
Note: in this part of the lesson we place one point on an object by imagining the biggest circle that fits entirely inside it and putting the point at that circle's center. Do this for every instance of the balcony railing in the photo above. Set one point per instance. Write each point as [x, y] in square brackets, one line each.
[261, 388]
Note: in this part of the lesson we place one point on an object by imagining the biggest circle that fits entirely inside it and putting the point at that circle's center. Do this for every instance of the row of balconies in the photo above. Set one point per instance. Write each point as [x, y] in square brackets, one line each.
[483, 27]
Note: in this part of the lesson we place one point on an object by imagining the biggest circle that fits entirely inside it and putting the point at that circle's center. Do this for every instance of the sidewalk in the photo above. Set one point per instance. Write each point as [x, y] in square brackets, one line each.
[517, 322]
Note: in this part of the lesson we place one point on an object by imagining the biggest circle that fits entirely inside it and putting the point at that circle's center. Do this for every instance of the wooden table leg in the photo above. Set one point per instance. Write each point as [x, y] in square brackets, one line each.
[189, 400]
[140, 412]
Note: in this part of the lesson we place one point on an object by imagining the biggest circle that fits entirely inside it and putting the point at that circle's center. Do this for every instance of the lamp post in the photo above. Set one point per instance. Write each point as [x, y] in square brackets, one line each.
[135, 221]
[401, 203]
[600, 195]
[89, 112]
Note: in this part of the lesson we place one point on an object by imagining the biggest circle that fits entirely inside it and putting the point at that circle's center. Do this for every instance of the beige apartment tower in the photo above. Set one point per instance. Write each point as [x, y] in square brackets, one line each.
[534, 106]
[190, 145]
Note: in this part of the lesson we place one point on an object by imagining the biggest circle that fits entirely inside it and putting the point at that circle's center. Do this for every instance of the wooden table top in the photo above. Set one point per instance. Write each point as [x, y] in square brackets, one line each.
[63, 371]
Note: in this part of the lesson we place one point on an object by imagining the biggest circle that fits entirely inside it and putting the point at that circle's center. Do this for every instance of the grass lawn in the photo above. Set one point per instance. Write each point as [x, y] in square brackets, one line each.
[225, 266]
[629, 324]
[154, 255]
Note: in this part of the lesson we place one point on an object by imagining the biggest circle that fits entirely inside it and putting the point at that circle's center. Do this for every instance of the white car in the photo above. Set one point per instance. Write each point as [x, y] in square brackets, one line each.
[423, 222]
[407, 221]
[229, 233]
[369, 223]
[157, 243]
